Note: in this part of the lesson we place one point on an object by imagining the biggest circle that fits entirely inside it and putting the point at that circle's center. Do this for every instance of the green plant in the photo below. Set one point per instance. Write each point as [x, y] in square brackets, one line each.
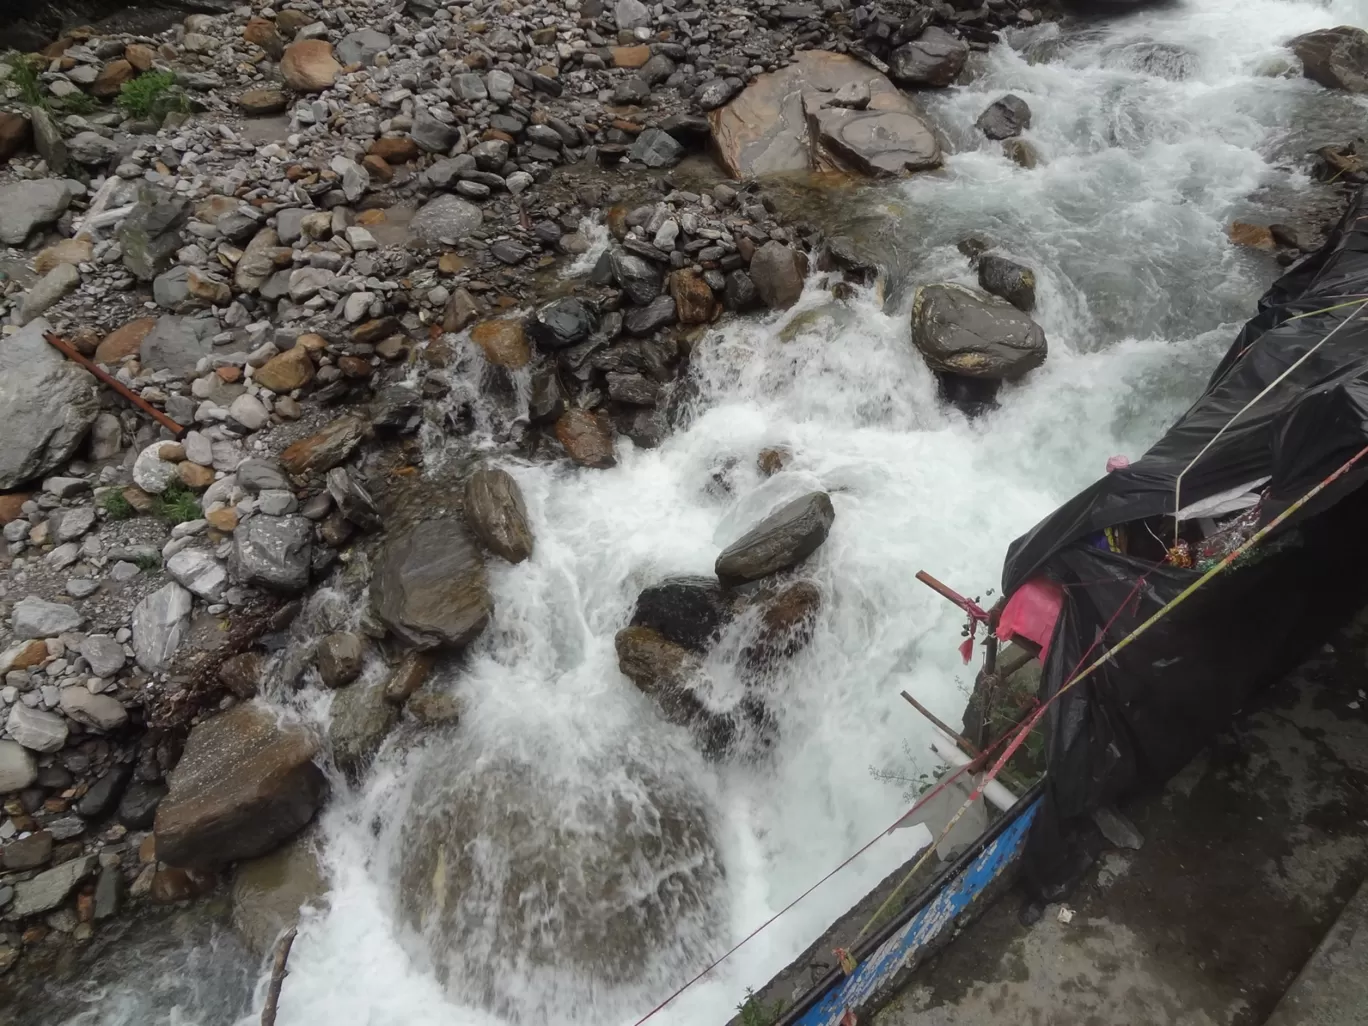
[116, 505]
[153, 95]
[178, 504]
[25, 76]
[755, 1012]
[148, 562]
[76, 103]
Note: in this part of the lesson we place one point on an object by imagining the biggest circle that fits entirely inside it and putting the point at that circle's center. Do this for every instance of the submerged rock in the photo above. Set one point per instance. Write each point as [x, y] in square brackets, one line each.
[783, 539]
[1008, 279]
[972, 334]
[494, 869]
[361, 719]
[430, 587]
[269, 892]
[1005, 118]
[246, 783]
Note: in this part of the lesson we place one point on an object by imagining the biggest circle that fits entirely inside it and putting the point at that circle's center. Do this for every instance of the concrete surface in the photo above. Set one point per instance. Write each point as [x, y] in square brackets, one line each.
[1332, 989]
[1250, 855]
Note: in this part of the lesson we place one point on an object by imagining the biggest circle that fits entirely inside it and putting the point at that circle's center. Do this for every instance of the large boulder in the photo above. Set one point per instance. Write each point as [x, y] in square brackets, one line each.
[586, 870]
[495, 511]
[934, 59]
[688, 611]
[778, 272]
[429, 586]
[969, 333]
[1005, 118]
[25, 206]
[792, 120]
[783, 539]
[37, 618]
[245, 784]
[47, 405]
[178, 344]
[309, 66]
[1336, 58]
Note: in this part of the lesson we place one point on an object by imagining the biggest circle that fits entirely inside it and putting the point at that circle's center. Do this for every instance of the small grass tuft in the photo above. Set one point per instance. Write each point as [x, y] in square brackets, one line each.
[76, 103]
[116, 505]
[153, 95]
[25, 76]
[755, 1012]
[148, 562]
[178, 504]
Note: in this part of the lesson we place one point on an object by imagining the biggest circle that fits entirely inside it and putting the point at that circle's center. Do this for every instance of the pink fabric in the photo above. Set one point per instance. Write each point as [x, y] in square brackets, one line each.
[1117, 463]
[1032, 612]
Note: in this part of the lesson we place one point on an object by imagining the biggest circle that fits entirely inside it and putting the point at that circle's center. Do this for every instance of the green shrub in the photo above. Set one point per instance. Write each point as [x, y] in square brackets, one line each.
[118, 507]
[26, 77]
[755, 1012]
[153, 95]
[178, 504]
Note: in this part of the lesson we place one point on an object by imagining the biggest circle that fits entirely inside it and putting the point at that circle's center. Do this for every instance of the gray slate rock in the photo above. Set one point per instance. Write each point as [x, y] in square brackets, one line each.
[47, 405]
[445, 221]
[339, 658]
[935, 59]
[1012, 281]
[177, 344]
[962, 331]
[433, 135]
[48, 290]
[36, 618]
[783, 539]
[429, 586]
[36, 729]
[255, 476]
[1005, 118]
[778, 272]
[361, 47]
[200, 572]
[105, 655]
[151, 234]
[17, 768]
[655, 148]
[361, 719]
[159, 624]
[48, 890]
[273, 552]
[25, 206]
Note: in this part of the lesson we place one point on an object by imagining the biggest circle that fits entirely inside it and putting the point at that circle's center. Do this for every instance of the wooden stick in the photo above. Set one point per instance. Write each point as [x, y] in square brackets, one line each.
[282, 955]
[63, 347]
[963, 742]
[945, 591]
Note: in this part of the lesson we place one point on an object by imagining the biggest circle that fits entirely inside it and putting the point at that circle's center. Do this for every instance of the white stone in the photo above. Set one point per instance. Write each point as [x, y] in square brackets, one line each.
[200, 572]
[36, 730]
[17, 768]
[151, 473]
[248, 411]
[92, 710]
[159, 623]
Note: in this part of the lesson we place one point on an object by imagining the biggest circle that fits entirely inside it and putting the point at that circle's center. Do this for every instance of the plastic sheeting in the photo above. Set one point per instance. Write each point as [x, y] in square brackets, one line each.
[1144, 714]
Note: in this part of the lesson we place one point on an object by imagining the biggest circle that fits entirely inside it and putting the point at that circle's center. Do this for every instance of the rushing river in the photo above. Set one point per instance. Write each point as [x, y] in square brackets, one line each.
[1155, 130]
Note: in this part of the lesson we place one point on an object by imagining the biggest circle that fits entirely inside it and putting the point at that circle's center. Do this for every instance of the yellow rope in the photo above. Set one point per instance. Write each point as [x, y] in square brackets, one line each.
[1029, 725]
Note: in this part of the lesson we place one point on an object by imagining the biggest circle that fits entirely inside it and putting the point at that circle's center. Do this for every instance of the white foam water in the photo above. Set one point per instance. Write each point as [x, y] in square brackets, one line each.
[1155, 129]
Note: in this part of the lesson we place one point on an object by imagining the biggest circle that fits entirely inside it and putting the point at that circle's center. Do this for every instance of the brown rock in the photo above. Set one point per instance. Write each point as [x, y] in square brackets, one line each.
[231, 375]
[767, 130]
[112, 78]
[429, 586]
[195, 476]
[631, 56]
[171, 884]
[503, 342]
[460, 312]
[263, 102]
[262, 32]
[787, 619]
[311, 342]
[32, 654]
[140, 56]
[377, 168]
[12, 506]
[434, 708]
[773, 460]
[369, 217]
[225, 520]
[309, 66]
[16, 132]
[452, 263]
[68, 251]
[241, 674]
[339, 658]
[395, 149]
[355, 367]
[208, 291]
[326, 449]
[139, 499]
[28, 852]
[694, 300]
[171, 452]
[587, 437]
[245, 784]
[373, 331]
[1255, 236]
[125, 341]
[778, 272]
[269, 893]
[660, 669]
[289, 370]
[290, 21]
[408, 677]
[495, 511]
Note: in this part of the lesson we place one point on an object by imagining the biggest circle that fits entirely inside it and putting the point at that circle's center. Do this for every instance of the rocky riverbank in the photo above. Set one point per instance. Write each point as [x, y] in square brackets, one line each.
[316, 234]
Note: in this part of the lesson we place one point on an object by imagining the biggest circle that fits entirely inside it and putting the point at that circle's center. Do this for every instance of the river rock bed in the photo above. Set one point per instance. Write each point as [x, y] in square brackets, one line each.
[296, 238]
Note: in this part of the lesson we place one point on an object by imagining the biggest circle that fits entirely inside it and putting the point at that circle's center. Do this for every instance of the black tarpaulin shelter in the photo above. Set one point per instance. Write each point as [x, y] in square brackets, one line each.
[1145, 713]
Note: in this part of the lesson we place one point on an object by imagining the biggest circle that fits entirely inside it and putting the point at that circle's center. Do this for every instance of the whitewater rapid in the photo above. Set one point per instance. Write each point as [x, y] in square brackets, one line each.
[1155, 130]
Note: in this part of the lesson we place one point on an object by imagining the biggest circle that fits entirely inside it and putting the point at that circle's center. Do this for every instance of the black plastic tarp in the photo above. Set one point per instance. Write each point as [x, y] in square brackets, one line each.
[1144, 714]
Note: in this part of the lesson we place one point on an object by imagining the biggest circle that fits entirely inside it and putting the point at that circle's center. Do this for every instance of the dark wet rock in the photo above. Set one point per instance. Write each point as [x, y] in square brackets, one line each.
[1008, 279]
[105, 793]
[50, 889]
[361, 719]
[430, 587]
[788, 616]
[561, 323]
[647, 319]
[496, 513]
[771, 126]
[972, 334]
[741, 293]
[636, 276]
[688, 611]
[270, 892]
[1005, 118]
[328, 448]
[407, 677]
[548, 399]
[352, 499]
[587, 438]
[245, 783]
[397, 408]
[934, 59]
[717, 91]
[274, 552]
[778, 272]
[632, 388]
[138, 806]
[1337, 58]
[783, 539]
[339, 658]
[656, 149]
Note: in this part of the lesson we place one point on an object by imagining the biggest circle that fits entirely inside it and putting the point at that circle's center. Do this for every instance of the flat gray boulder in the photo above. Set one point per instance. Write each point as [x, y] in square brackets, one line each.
[273, 552]
[430, 587]
[782, 540]
[47, 405]
[963, 331]
[25, 206]
[445, 220]
[177, 344]
[159, 624]
[37, 618]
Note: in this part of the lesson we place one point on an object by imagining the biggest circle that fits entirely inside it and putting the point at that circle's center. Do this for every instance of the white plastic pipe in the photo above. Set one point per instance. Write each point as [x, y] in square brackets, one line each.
[954, 758]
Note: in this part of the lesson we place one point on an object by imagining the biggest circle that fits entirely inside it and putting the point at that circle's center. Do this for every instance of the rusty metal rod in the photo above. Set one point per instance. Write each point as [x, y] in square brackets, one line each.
[67, 350]
[963, 742]
[945, 591]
